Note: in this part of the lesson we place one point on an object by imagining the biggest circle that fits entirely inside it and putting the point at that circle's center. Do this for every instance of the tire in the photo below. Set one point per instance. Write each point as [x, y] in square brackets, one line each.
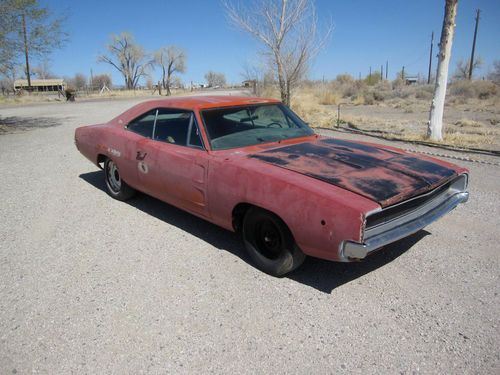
[115, 186]
[270, 243]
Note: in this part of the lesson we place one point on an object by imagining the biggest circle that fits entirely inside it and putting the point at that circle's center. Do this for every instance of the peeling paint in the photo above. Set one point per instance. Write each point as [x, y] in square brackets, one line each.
[383, 175]
[114, 152]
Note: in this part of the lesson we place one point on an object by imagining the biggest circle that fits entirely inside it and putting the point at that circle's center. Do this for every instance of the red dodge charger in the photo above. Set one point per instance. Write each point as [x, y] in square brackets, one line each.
[252, 165]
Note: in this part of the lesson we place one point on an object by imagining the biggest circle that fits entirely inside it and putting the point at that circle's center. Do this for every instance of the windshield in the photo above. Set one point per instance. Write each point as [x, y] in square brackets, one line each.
[250, 125]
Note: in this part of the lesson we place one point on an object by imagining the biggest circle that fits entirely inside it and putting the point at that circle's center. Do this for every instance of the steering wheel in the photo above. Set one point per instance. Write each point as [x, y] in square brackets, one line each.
[274, 124]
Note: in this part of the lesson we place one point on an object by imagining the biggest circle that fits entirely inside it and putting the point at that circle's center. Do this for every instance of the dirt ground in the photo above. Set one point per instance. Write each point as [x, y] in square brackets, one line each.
[92, 285]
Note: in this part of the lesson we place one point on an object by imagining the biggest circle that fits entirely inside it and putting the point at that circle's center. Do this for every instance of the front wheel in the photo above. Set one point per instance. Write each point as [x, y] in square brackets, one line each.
[115, 186]
[269, 243]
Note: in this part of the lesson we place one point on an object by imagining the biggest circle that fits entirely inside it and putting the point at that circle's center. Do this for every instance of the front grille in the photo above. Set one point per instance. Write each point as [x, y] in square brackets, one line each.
[398, 214]
[392, 212]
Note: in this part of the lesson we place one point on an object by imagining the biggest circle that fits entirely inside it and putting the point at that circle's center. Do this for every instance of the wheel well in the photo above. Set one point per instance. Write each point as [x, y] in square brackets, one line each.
[101, 159]
[239, 212]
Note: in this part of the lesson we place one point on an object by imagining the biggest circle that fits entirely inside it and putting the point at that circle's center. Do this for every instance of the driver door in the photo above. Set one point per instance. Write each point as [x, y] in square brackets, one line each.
[172, 166]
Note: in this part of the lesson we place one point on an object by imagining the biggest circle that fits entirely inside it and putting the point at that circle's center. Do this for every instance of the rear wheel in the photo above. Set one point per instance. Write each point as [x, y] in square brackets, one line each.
[115, 186]
[269, 243]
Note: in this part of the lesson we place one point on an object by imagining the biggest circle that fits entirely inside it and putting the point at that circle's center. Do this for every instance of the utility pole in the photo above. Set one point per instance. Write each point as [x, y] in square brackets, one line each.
[91, 80]
[430, 59]
[370, 76]
[474, 44]
[26, 52]
[386, 68]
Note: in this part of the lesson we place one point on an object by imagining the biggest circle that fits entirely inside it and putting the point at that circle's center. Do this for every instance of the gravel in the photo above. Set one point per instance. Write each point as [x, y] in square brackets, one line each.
[92, 285]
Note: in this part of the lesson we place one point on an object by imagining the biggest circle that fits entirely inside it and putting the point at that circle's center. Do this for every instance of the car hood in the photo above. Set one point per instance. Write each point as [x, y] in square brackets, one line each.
[378, 173]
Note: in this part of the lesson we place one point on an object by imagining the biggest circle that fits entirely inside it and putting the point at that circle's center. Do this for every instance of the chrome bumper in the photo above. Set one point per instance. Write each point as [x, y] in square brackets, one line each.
[353, 250]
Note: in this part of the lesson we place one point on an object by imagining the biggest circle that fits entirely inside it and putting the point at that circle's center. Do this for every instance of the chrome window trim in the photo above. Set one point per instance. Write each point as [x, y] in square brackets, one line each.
[191, 122]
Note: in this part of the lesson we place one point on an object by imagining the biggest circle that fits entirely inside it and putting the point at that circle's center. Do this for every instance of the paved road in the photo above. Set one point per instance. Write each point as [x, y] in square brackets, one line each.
[92, 285]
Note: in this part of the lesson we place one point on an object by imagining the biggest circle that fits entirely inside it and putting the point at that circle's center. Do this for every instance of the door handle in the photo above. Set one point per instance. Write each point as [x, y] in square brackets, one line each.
[141, 156]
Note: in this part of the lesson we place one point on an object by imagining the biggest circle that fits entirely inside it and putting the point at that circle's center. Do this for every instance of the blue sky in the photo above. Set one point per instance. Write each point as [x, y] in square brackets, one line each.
[366, 33]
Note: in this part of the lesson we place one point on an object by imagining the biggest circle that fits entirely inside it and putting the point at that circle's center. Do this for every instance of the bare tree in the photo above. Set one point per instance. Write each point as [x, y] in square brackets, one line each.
[494, 75]
[171, 60]
[9, 75]
[463, 68]
[43, 70]
[215, 79]
[128, 58]
[27, 28]
[434, 129]
[102, 80]
[80, 80]
[253, 74]
[287, 29]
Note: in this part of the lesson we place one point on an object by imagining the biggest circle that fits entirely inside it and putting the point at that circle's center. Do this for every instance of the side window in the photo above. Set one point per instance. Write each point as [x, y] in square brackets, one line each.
[144, 124]
[176, 126]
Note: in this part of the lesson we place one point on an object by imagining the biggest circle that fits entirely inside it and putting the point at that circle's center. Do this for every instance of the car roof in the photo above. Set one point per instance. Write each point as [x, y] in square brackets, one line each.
[191, 103]
[206, 102]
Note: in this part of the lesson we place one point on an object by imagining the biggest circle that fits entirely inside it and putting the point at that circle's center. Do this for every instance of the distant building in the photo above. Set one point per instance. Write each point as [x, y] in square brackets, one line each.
[249, 83]
[40, 85]
[411, 80]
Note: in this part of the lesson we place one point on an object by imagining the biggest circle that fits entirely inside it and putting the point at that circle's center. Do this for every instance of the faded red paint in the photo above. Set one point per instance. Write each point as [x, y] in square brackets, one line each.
[210, 184]
[383, 175]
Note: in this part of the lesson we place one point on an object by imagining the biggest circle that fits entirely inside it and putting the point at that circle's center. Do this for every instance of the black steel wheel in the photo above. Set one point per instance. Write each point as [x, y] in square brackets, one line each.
[269, 243]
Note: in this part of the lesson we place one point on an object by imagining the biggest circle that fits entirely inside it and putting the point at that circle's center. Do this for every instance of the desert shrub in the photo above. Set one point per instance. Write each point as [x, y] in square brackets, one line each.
[344, 78]
[358, 99]
[486, 89]
[403, 92]
[328, 98]
[398, 83]
[373, 79]
[473, 89]
[369, 97]
[380, 96]
[463, 88]
[421, 93]
[349, 90]
[383, 86]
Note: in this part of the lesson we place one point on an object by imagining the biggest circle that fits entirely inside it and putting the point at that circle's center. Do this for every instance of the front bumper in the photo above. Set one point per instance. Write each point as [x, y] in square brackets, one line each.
[412, 223]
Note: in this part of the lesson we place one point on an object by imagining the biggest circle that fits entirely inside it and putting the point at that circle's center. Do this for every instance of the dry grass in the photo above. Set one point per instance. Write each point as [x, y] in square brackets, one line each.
[401, 114]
